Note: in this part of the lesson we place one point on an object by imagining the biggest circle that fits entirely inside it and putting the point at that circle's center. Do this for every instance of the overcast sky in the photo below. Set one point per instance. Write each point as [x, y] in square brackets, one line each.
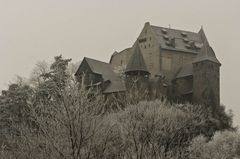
[36, 30]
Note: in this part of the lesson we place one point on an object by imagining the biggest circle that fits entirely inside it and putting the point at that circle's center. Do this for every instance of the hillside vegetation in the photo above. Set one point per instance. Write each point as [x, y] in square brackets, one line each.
[51, 116]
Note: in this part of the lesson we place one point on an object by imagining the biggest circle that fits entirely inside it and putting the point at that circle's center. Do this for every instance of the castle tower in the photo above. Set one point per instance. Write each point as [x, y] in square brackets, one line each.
[206, 70]
[137, 75]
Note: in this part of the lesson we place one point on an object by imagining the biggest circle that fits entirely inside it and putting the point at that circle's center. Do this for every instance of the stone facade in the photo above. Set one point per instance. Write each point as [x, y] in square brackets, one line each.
[170, 57]
[164, 62]
[206, 83]
[120, 60]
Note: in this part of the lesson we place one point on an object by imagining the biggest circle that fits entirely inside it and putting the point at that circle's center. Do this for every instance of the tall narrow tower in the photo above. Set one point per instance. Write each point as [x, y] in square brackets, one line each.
[206, 70]
[137, 75]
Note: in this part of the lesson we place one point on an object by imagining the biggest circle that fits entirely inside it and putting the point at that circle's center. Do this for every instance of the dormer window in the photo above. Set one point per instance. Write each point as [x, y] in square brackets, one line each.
[171, 42]
[168, 43]
[185, 40]
[166, 37]
[192, 44]
[188, 46]
[198, 45]
[184, 34]
[164, 31]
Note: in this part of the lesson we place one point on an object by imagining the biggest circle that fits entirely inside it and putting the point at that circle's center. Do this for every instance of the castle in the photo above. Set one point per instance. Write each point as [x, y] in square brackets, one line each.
[164, 62]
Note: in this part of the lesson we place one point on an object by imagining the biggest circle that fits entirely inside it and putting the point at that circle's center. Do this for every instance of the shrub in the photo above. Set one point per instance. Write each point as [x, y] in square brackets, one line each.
[224, 144]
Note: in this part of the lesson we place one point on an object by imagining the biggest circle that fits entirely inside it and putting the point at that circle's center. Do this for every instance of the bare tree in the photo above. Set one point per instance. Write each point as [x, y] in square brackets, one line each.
[42, 67]
[58, 118]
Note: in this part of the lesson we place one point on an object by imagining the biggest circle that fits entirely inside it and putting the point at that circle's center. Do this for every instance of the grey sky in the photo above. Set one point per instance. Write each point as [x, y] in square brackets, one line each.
[34, 30]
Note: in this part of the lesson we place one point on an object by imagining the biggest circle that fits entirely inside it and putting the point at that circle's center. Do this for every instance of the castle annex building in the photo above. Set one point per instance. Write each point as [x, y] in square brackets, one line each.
[164, 62]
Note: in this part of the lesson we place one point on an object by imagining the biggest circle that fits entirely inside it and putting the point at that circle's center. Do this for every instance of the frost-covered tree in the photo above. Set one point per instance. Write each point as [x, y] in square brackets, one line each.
[56, 118]
[224, 144]
[36, 78]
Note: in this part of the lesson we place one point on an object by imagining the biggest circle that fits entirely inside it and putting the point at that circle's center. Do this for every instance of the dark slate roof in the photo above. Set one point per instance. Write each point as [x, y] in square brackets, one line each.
[182, 39]
[105, 69]
[206, 52]
[185, 71]
[136, 62]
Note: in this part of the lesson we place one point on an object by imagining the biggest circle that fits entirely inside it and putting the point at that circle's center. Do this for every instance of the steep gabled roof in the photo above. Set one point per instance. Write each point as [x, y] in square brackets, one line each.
[203, 36]
[183, 39]
[136, 62]
[206, 52]
[100, 67]
[105, 70]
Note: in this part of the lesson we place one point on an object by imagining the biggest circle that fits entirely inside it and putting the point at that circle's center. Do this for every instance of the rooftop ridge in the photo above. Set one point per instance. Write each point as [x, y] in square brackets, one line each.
[174, 29]
[87, 58]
